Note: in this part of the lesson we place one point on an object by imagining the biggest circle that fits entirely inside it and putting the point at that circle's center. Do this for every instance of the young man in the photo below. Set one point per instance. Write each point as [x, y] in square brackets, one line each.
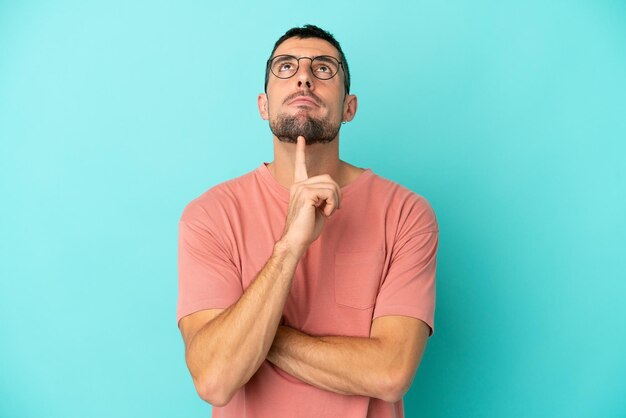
[307, 286]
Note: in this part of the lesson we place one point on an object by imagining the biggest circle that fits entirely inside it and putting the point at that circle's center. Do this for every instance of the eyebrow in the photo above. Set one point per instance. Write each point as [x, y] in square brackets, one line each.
[326, 58]
[283, 57]
[320, 57]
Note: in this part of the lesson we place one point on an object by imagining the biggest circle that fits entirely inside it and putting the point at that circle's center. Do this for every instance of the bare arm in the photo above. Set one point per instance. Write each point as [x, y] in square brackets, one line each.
[381, 366]
[224, 348]
[224, 353]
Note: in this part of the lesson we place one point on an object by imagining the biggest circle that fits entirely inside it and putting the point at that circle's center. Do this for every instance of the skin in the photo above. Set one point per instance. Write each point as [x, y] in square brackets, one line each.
[225, 347]
[335, 104]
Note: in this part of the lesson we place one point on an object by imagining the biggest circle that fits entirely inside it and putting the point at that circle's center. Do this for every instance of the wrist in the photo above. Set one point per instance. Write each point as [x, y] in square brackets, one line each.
[283, 246]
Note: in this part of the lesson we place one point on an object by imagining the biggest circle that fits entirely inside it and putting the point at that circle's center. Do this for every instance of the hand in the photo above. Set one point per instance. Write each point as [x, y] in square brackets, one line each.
[311, 201]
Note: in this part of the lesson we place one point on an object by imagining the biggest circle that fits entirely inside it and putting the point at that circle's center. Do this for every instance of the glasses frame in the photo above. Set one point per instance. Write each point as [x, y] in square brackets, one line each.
[269, 66]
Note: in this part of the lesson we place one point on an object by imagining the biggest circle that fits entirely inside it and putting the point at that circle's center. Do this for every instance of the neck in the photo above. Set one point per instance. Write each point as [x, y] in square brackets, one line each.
[320, 159]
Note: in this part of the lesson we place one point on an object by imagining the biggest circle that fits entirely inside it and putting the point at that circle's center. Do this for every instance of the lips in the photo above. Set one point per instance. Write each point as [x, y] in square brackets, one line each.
[303, 101]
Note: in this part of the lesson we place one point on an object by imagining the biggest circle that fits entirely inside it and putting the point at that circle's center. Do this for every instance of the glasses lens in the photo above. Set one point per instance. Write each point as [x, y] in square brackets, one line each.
[284, 66]
[324, 67]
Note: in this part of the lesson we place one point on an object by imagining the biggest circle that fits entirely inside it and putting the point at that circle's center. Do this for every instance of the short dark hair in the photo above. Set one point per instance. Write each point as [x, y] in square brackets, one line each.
[312, 31]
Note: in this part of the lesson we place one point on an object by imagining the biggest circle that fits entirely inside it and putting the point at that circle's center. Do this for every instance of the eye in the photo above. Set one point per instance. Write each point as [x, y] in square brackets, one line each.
[323, 69]
[285, 67]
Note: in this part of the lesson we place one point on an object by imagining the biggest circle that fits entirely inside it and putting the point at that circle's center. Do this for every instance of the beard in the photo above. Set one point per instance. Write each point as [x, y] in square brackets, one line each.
[287, 128]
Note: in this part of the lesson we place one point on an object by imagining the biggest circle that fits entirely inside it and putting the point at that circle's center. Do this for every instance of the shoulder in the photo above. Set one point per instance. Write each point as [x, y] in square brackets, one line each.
[219, 199]
[408, 206]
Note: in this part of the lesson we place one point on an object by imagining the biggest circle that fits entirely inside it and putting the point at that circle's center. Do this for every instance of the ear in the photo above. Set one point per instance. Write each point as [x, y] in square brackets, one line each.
[262, 103]
[349, 107]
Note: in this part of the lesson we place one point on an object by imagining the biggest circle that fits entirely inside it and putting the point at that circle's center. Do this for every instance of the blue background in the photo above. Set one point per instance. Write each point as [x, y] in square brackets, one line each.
[509, 117]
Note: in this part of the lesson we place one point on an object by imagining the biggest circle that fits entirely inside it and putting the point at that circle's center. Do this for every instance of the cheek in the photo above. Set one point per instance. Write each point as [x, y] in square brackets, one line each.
[271, 106]
[337, 112]
[275, 100]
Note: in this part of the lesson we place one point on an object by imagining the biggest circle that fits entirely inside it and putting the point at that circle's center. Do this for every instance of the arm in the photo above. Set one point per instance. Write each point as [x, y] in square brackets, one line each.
[224, 348]
[223, 352]
[381, 366]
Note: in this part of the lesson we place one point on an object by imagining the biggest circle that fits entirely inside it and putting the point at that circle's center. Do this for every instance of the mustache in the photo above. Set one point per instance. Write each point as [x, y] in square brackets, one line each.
[303, 94]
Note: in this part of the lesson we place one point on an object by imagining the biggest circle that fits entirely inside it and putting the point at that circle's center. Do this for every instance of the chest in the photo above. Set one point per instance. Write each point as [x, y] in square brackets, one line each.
[337, 280]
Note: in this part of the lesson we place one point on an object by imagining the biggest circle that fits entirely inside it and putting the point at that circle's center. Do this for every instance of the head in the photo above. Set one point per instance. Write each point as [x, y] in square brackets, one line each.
[307, 103]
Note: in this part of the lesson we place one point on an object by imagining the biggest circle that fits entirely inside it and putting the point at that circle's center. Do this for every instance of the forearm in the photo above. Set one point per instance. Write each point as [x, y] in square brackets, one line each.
[227, 351]
[344, 365]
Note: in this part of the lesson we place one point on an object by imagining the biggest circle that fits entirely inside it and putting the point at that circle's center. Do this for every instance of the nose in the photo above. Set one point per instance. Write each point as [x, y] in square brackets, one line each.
[307, 83]
[304, 76]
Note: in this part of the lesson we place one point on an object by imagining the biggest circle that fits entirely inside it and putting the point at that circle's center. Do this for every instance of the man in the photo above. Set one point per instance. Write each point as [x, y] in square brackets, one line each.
[307, 286]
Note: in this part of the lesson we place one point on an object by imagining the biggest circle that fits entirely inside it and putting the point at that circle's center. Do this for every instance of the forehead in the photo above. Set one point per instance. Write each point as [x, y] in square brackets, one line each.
[309, 47]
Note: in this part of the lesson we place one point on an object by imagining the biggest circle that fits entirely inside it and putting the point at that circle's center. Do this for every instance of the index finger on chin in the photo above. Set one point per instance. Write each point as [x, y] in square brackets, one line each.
[300, 173]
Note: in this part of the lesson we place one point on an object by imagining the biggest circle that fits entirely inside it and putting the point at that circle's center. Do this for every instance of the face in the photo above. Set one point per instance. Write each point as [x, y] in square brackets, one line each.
[303, 104]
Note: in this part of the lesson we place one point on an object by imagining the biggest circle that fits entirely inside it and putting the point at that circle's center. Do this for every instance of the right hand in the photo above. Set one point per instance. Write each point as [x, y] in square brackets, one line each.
[311, 201]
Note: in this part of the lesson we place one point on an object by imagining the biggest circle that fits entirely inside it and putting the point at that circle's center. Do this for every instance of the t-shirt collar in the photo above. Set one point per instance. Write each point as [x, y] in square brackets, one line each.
[283, 192]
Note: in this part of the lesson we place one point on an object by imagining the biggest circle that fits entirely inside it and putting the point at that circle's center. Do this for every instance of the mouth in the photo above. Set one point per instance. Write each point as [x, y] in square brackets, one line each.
[303, 98]
[303, 101]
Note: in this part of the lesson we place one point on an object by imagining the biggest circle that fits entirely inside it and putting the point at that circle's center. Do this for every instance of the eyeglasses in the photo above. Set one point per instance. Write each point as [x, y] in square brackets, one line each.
[323, 67]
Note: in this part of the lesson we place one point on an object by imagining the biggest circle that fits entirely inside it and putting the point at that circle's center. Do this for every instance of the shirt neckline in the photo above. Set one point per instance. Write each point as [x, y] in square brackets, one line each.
[283, 192]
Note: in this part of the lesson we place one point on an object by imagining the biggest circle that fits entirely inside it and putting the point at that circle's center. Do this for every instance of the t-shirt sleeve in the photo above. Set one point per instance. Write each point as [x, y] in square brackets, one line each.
[408, 289]
[208, 277]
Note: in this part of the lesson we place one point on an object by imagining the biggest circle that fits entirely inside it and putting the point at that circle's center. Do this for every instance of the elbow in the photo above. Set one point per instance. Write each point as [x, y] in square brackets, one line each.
[212, 391]
[393, 386]
[212, 384]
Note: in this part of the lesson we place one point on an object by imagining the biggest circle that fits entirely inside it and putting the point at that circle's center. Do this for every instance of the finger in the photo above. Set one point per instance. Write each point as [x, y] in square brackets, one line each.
[335, 198]
[299, 173]
[326, 181]
[323, 198]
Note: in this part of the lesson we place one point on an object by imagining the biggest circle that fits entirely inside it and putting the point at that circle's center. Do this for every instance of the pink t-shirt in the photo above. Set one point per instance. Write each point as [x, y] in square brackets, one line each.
[376, 256]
